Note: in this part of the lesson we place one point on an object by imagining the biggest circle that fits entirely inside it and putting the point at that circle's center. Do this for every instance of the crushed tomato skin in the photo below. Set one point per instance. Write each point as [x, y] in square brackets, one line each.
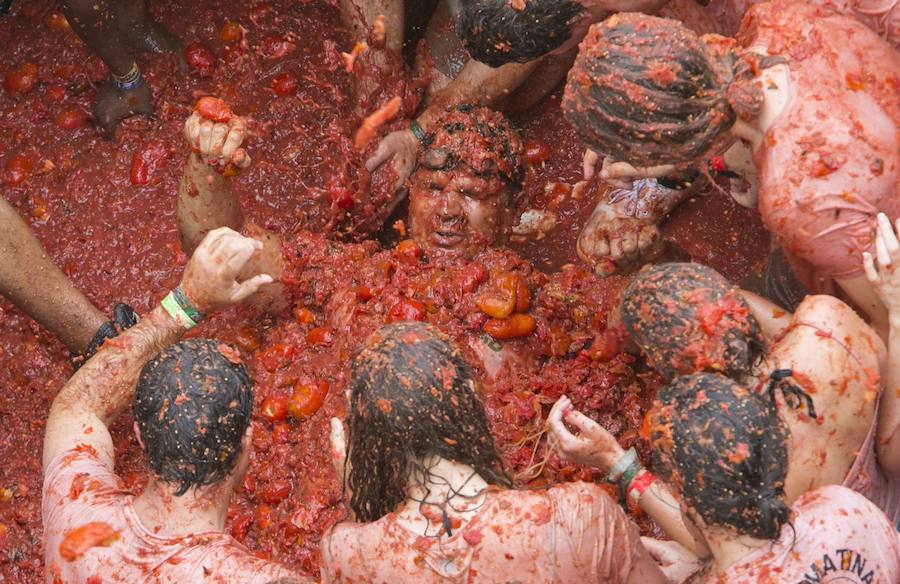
[80, 540]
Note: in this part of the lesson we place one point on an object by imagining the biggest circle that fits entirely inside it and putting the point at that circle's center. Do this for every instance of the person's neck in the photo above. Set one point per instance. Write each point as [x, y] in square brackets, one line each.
[199, 510]
[776, 93]
[728, 548]
[444, 480]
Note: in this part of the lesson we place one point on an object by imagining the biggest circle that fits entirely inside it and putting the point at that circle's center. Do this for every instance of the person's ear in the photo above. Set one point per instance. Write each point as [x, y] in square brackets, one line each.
[137, 434]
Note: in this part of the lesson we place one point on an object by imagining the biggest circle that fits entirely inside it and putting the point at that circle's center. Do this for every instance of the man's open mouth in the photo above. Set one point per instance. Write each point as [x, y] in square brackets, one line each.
[445, 238]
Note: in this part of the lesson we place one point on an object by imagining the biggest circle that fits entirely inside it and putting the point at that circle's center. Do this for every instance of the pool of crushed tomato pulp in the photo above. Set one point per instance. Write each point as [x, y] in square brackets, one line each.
[105, 212]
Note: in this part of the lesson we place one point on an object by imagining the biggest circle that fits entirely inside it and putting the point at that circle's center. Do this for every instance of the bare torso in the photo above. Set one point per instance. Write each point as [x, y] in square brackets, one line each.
[838, 360]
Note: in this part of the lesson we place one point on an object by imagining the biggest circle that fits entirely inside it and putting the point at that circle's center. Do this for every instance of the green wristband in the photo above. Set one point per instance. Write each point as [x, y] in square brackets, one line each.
[185, 304]
[626, 460]
[632, 471]
[417, 131]
[177, 313]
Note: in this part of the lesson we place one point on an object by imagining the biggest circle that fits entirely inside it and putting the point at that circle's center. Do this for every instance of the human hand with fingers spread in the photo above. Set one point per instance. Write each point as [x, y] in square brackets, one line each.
[217, 141]
[210, 279]
[592, 446]
[885, 277]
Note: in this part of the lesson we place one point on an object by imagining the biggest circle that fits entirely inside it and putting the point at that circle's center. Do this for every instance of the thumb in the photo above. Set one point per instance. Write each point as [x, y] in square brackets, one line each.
[382, 153]
[250, 287]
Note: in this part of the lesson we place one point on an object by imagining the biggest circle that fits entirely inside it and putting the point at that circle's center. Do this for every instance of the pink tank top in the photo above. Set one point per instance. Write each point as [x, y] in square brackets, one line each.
[865, 477]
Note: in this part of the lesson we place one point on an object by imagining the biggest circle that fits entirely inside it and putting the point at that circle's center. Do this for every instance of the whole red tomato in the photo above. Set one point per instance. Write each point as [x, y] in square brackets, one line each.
[230, 33]
[274, 408]
[200, 59]
[536, 152]
[72, 119]
[406, 309]
[307, 399]
[19, 168]
[285, 84]
[146, 161]
[22, 79]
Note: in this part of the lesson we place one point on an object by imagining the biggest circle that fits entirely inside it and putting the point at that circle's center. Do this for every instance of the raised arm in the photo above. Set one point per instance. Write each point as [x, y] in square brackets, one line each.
[595, 446]
[206, 200]
[103, 387]
[885, 280]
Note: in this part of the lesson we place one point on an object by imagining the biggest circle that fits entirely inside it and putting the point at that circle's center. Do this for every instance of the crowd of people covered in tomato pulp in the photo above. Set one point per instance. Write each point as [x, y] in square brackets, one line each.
[383, 291]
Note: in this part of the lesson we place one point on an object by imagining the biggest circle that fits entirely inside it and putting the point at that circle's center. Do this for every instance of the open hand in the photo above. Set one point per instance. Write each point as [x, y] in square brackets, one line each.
[593, 446]
[210, 279]
[885, 278]
[401, 146]
[217, 143]
[612, 241]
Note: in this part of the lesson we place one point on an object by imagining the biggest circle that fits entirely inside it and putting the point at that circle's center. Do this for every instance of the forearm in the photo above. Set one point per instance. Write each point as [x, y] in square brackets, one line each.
[888, 442]
[658, 503]
[205, 202]
[478, 83]
[772, 318]
[104, 385]
[42, 290]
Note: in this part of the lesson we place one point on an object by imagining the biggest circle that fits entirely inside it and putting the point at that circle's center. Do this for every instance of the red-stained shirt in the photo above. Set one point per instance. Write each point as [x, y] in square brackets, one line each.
[79, 489]
[571, 533]
[836, 535]
[831, 160]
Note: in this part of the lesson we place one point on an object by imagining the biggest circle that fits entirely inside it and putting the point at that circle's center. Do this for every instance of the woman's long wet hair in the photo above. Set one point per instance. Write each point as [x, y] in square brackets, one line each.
[688, 318]
[723, 448]
[412, 396]
[649, 91]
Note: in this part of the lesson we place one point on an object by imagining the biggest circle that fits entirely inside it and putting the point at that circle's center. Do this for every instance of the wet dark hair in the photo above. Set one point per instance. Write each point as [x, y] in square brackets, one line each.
[495, 32]
[723, 448]
[477, 138]
[688, 318]
[412, 396]
[649, 91]
[193, 404]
